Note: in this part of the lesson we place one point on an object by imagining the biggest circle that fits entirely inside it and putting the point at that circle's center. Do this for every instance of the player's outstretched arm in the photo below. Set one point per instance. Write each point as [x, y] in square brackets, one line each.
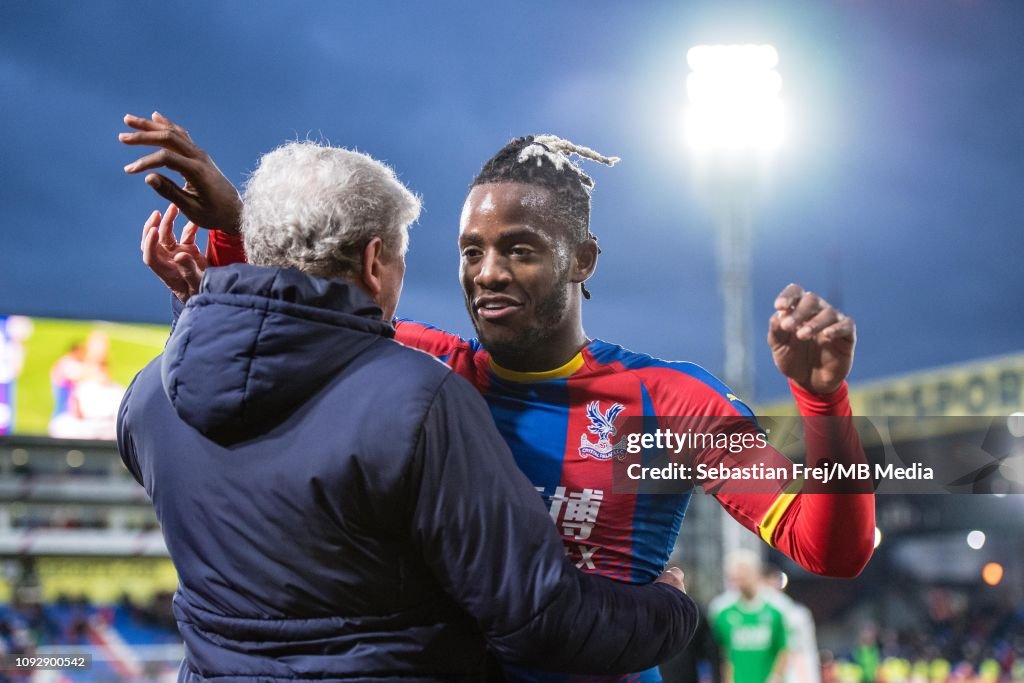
[827, 528]
[207, 198]
[813, 344]
[488, 540]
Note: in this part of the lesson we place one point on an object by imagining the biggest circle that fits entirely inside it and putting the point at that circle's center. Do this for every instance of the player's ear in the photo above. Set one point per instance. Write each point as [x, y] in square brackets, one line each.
[372, 272]
[584, 260]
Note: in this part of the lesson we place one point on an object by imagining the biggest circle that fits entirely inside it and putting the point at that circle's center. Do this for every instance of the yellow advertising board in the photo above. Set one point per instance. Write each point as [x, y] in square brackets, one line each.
[101, 580]
[992, 387]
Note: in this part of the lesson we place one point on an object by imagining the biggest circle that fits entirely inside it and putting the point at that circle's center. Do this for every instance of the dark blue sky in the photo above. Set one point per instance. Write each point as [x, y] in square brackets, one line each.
[899, 190]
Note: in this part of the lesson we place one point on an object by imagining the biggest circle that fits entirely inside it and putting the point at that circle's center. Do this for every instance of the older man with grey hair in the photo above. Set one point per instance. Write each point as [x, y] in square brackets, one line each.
[338, 506]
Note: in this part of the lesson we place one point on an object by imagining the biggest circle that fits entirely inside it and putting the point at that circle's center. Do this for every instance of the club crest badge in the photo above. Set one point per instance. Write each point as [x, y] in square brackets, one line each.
[603, 425]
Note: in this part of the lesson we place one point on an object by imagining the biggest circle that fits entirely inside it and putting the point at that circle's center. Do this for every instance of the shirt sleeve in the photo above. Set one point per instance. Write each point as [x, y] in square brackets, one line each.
[489, 541]
[779, 639]
[825, 528]
[461, 355]
[828, 533]
[223, 249]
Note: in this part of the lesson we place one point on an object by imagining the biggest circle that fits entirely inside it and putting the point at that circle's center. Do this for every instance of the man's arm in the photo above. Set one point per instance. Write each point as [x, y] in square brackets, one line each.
[827, 533]
[490, 543]
[780, 644]
[813, 344]
[778, 673]
[826, 528]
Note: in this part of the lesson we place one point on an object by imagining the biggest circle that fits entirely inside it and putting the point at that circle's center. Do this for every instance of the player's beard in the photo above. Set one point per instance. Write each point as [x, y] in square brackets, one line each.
[512, 345]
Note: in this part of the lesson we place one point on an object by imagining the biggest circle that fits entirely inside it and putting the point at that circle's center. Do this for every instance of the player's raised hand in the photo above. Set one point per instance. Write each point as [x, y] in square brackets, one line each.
[208, 198]
[180, 265]
[811, 342]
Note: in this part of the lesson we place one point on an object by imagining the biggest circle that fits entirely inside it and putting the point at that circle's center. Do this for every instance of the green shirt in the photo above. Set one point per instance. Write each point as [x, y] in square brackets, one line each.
[752, 634]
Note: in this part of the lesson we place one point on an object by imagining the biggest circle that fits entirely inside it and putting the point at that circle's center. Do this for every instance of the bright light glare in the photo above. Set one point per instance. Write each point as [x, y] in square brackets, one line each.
[75, 458]
[992, 573]
[734, 98]
[976, 539]
[878, 537]
[1015, 423]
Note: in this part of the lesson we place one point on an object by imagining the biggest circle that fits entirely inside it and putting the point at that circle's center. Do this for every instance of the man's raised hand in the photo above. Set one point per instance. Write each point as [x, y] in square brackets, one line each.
[812, 343]
[180, 265]
[208, 198]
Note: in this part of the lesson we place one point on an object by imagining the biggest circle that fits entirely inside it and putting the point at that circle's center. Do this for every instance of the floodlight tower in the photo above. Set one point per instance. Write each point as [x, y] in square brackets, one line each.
[733, 124]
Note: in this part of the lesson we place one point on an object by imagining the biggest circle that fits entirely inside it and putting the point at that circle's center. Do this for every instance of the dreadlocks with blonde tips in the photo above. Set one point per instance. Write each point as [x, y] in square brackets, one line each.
[543, 160]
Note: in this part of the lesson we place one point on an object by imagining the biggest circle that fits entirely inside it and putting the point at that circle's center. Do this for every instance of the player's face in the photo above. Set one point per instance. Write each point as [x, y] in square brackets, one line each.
[515, 267]
[745, 579]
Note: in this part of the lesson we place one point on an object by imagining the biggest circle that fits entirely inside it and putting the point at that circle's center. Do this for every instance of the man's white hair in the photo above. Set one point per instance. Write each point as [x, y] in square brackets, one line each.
[314, 207]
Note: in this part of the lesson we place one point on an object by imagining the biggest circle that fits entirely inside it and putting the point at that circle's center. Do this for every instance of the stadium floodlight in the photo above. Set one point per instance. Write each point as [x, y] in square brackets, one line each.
[976, 539]
[734, 98]
[734, 118]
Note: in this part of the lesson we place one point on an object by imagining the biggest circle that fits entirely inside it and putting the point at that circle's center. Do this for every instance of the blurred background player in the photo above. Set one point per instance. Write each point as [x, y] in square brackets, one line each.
[64, 375]
[85, 395]
[526, 252]
[803, 663]
[749, 630]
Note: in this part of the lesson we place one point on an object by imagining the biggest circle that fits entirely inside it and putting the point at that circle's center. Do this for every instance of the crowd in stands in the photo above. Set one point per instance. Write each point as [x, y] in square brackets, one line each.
[121, 638]
[959, 641]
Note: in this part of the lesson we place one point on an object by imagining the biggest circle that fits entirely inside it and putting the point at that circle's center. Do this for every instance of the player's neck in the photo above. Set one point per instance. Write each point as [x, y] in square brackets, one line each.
[551, 354]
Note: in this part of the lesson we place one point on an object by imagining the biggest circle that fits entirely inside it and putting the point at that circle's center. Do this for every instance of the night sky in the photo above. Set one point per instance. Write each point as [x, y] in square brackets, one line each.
[898, 192]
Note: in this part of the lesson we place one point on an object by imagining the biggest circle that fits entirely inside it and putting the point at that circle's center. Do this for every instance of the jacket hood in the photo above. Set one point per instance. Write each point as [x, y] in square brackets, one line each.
[255, 343]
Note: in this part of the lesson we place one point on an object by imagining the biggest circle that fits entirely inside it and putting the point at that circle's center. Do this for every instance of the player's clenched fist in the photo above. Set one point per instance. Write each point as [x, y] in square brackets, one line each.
[812, 342]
